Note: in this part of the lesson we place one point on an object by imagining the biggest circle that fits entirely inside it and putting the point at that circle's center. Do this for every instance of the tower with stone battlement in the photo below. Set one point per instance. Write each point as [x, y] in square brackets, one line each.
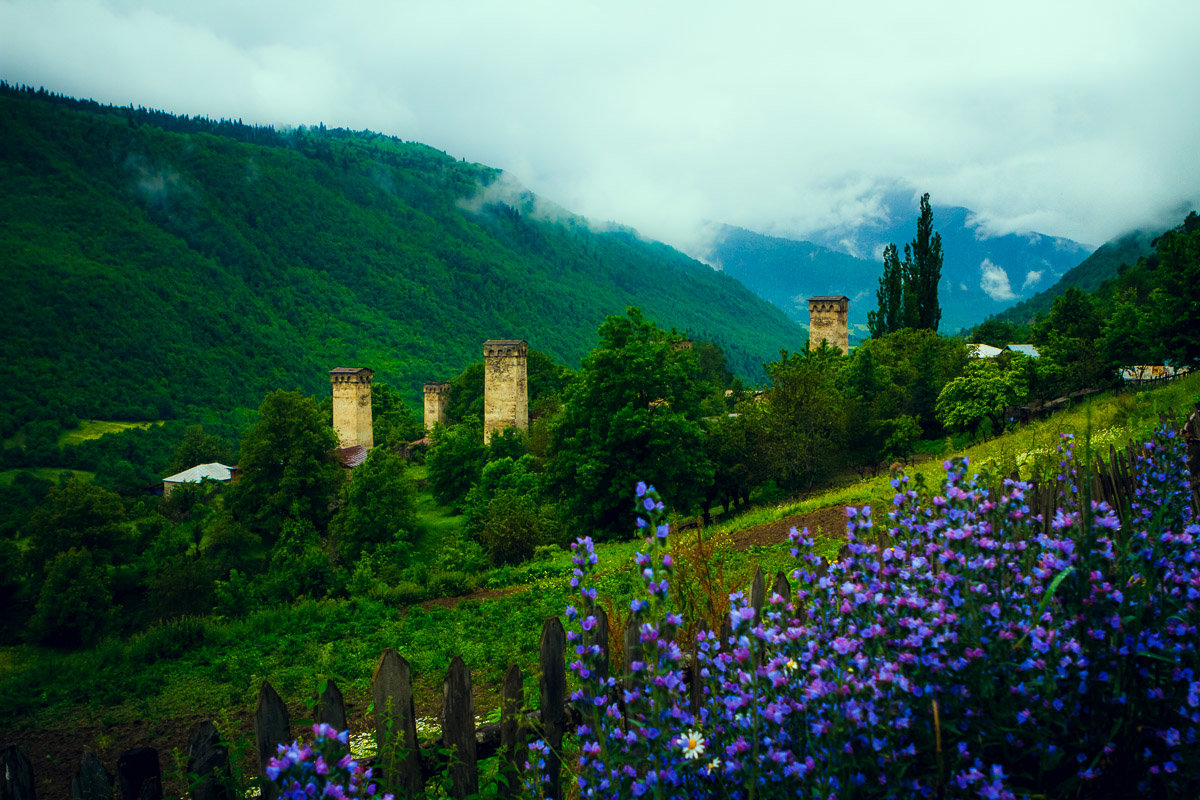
[437, 398]
[505, 386]
[827, 321]
[352, 406]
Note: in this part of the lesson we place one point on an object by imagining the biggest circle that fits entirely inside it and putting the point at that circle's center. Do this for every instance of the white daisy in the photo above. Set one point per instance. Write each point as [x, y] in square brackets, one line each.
[693, 744]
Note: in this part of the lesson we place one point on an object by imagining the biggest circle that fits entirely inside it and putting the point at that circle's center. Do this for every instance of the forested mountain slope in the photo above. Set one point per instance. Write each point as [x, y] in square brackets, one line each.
[154, 265]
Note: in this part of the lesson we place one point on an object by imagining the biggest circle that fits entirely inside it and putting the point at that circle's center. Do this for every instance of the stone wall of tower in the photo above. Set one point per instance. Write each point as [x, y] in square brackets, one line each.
[505, 386]
[437, 397]
[352, 406]
[827, 320]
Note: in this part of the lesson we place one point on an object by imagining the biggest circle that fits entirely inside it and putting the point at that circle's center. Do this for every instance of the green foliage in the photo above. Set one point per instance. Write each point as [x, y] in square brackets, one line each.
[1179, 267]
[380, 506]
[392, 421]
[455, 460]
[631, 414]
[288, 470]
[983, 392]
[75, 602]
[801, 428]
[78, 515]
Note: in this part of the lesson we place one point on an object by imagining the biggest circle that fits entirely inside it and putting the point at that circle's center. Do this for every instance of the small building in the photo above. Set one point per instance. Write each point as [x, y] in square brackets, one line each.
[827, 317]
[980, 350]
[201, 472]
[1024, 349]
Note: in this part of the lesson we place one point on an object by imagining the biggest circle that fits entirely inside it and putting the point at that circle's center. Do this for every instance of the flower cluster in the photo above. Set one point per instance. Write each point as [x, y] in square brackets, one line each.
[324, 769]
[969, 648]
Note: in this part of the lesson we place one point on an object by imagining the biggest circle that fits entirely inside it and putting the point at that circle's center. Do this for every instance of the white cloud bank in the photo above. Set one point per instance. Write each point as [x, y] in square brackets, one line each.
[1068, 118]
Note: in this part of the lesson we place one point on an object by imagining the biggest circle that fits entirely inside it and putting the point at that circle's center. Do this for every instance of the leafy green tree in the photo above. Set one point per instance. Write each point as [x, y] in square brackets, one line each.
[199, 447]
[454, 461]
[288, 467]
[999, 333]
[801, 425]
[392, 421]
[630, 415]
[380, 506]
[982, 393]
[1070, 337]
[74, 605]
[82, 516]
[298, 566]
[1178, 252]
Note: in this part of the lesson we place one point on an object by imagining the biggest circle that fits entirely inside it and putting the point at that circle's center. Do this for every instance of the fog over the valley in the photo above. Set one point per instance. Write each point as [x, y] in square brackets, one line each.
[1070, 118]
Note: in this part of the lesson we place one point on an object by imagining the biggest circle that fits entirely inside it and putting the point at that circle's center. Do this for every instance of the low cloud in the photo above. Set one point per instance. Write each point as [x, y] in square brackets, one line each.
[994, 281]
[1032, 278]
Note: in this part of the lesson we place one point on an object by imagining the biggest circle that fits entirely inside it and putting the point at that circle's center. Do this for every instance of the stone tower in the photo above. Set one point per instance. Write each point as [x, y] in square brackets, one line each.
[437, 396]
[505, 391]
[352, 406]
[827, 320]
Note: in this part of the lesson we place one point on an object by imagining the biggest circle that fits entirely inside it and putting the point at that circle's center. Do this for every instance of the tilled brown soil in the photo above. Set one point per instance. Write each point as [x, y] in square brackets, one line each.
[56, 749]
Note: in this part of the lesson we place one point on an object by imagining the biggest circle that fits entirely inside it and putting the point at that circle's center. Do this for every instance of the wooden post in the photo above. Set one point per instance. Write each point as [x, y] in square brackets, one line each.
[458, 729]
[396, 726]
[208, 761]
[510, 732]
[16, 775]
[92, 781]
[553, 698]
[600, 637]
[331, 708]
[633, 650]
[758, 594]
[782, 587]
[272, 727]
[139, 775]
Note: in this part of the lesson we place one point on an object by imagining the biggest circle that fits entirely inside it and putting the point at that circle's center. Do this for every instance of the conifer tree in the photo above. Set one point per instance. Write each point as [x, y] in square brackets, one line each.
[890, 296]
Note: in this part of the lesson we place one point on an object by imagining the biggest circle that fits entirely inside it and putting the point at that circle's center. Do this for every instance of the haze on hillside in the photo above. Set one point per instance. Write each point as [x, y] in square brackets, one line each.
[1069, 119]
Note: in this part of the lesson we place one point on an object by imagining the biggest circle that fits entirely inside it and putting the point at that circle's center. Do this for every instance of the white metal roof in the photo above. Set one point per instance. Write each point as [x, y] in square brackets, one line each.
[983, 350]
[213, 471]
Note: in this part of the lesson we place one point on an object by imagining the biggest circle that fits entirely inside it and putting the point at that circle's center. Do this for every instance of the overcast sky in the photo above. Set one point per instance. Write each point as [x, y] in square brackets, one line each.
[1078, 119]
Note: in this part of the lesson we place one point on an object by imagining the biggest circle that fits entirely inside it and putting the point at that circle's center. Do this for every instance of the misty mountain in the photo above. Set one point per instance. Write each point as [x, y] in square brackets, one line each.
[982, 274]
[158, 266]
[1093, 271]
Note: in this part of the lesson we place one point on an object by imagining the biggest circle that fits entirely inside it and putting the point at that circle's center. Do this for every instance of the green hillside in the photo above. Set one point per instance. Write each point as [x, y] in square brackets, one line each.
[1091, 273]
[157, 265]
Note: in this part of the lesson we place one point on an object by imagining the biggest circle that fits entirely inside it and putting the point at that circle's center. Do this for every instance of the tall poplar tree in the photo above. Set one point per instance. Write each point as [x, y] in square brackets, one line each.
[907, 291]
[923, 268]
[889, 316]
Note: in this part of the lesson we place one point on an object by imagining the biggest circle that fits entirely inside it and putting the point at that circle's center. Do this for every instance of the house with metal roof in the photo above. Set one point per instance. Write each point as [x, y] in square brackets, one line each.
[981, 350]
[201, 472]
[1024, 349]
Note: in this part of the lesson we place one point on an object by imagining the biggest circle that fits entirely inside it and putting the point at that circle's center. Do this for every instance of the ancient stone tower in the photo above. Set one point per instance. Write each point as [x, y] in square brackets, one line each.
[827, 320]
[352, 406]
[505, 392]
[437, 396]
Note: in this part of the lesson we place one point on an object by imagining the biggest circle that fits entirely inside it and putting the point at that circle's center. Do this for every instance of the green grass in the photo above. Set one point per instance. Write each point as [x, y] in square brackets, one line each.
[95, 428]
[46, 473]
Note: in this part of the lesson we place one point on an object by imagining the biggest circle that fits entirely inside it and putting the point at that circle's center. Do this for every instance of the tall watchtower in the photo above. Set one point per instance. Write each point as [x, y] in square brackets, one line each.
[352, 406]
[827, 320]
[437, 397]
[505, 386]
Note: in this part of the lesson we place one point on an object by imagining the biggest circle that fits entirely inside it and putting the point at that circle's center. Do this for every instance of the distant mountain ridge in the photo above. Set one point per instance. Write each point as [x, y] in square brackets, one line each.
[159, 266]
[981, 274]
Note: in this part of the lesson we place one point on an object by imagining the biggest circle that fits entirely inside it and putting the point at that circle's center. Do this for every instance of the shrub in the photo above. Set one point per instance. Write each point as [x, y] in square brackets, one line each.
[75, 603]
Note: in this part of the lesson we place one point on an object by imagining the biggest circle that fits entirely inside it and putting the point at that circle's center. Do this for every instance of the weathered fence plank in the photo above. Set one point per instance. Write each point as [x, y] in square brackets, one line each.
[139, 776]
[511, 757]
[331, 707]
[92, 781]
[16, 775]
[758, 593]
[272, 727]
[458, 729]
[208, 761]
[396, 725]
[553, 685]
